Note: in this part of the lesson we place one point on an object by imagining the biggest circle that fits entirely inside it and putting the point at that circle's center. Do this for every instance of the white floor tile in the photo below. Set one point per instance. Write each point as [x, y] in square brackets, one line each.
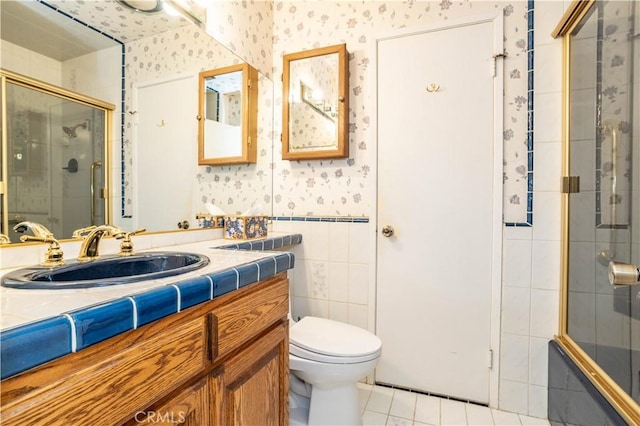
[364, 392]
[403, 404]
[394, 407]
[533, 421]
[478, 415]
[452, 413]
[371, 418]
[503, 418]
[380, 400]
[398, 421]
[428, 410]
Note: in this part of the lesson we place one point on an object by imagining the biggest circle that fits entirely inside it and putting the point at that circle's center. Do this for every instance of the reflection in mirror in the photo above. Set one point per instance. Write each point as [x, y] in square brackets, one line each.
[56, 142]
[315, 107]
[227, 114]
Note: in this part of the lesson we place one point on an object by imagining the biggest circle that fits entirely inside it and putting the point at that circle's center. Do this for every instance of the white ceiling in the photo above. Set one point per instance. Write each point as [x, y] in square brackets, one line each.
[41, 28]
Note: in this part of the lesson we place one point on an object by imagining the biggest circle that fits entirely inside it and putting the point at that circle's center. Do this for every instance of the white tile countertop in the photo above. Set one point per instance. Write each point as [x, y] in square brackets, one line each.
[40, 325]
[18, 306]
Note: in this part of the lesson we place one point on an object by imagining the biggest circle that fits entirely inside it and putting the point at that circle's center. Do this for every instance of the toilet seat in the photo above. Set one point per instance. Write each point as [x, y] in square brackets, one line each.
[323, 340]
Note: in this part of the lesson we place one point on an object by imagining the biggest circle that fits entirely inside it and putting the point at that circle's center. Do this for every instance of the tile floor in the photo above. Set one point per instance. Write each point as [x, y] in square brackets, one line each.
[385, 406]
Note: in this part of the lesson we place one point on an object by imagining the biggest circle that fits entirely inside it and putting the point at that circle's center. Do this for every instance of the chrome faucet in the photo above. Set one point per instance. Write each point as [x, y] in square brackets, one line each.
[89, 248]
[38, 229]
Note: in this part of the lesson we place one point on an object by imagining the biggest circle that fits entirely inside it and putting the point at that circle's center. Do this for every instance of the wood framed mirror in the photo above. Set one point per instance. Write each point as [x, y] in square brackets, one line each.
[227, 115]
[315, 107]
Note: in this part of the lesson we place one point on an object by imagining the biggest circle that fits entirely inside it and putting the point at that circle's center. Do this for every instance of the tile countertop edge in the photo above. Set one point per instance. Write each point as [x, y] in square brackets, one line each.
[26, 346]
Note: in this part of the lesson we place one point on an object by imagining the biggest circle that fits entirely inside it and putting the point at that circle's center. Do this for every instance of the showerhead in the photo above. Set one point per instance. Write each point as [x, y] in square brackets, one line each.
[71, 131]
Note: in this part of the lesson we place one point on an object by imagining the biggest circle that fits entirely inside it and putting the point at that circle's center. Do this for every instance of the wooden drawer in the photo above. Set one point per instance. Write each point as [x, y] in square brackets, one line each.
[110, 390]
[243, 319]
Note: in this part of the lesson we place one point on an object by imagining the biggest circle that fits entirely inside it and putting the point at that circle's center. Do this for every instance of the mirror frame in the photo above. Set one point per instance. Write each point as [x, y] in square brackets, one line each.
[249, 116]
[342, 148]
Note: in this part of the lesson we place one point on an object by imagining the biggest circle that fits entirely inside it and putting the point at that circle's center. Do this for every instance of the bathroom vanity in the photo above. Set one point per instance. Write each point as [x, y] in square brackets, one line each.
[218, 362]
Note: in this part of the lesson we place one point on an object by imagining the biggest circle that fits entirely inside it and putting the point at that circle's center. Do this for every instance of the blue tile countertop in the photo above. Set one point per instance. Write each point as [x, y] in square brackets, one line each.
[41, 325]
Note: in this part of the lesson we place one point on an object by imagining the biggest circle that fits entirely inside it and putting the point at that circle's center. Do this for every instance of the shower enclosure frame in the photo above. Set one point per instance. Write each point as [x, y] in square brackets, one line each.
[7, 76]
[619, 399]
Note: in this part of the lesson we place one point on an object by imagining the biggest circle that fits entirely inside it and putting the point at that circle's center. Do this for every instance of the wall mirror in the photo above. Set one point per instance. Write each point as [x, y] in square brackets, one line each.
[218, 185]
[227, 114]
[315, 107]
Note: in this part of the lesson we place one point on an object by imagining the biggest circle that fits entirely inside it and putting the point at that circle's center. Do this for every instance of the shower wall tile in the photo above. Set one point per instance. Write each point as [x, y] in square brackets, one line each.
[547, 121]
[548, 213]
[581, 311]
[581, 266]
[538, 401]
[548, 166]
[546, 265]
[516, 263]
[547, 62]
[513, 396]
[544, 313]
[538, 362]
[516, 311]
[514, 358]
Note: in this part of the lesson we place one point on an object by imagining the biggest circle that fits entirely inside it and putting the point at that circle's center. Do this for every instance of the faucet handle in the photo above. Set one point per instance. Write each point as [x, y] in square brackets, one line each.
[126, 246]
[54, 255]
[38, 229]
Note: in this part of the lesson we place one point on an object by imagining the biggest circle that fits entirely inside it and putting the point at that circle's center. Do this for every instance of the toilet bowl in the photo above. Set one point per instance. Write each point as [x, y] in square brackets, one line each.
[326, 360]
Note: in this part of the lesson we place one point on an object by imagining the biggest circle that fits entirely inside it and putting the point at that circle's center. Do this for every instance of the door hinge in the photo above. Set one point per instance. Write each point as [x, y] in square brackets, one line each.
[490, 359]
[495, 57]
[249, 83]
[570, 184]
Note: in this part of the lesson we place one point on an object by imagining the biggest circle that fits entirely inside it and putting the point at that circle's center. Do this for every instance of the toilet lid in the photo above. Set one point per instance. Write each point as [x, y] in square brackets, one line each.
[333, 338]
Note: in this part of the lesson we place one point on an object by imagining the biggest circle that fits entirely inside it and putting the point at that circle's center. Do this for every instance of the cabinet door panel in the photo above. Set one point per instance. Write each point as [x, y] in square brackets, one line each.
[253, 387]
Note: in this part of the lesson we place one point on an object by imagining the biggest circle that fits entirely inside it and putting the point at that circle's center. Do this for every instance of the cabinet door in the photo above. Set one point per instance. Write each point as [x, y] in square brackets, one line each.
[252, 388]
[189, 408]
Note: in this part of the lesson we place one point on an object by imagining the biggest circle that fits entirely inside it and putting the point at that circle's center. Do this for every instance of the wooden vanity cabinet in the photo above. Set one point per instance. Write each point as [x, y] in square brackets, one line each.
[225, 362]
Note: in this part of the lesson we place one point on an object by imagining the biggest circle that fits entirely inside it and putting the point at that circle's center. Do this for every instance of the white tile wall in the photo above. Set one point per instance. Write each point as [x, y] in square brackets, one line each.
[331, 276]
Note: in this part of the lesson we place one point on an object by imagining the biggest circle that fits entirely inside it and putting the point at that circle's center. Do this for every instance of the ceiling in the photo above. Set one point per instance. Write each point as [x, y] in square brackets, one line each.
[40, 27]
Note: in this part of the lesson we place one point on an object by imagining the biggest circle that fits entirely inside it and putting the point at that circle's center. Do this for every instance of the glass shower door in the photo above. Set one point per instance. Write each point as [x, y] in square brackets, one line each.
[55, 161]
[604, 212]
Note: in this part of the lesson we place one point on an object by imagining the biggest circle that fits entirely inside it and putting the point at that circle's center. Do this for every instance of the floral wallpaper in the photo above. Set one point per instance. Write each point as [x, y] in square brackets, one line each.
[343, 187]
[260, 32]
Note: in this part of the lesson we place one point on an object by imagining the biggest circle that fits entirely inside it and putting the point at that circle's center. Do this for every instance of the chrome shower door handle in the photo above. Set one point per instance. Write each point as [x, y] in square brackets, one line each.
[387, 231]
[623, 274]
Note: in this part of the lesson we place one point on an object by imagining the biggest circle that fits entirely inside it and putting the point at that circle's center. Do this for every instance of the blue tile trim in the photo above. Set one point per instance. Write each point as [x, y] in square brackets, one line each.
[269, 243]
[530, 115]
[321, 219]
[25, 347]
[225, 282]
[194, 291]
[99, 322]
[122, 95]
[247, 273]
[155, 304]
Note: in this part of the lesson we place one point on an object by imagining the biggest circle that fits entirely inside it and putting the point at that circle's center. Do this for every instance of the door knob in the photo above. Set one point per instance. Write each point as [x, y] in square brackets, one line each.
[623, 274]
[387, 231]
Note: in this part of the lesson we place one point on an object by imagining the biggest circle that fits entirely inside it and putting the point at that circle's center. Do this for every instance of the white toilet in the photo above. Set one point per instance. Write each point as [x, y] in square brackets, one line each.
[326, 360]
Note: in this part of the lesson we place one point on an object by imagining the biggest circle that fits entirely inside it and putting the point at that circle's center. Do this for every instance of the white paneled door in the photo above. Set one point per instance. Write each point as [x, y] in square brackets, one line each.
[439, 100]
[166, 147]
